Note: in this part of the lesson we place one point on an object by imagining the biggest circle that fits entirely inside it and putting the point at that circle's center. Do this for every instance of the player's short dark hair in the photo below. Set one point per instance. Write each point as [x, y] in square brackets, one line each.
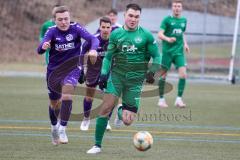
[56, 5]
[113, 11]
[177, 1]
[133, 6]
[59, 9]
[105, 19]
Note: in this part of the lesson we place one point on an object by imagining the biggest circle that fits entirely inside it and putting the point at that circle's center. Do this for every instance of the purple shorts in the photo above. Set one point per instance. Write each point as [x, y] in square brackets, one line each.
[56, 79]
[93, 72]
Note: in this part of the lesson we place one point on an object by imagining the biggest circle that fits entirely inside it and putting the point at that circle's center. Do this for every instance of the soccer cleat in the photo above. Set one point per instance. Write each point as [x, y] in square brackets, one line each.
[63, 139]
[55, 135]
[94, 150]
[85, 124]
[179, 103]
[108, 128]
[162, 103]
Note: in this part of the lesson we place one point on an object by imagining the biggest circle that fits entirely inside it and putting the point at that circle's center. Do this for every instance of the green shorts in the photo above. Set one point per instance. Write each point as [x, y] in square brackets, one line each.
[177, 60]
[129, 86]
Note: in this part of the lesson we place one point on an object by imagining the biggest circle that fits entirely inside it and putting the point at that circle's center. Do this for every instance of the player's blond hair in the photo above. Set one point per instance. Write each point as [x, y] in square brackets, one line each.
[59, 9]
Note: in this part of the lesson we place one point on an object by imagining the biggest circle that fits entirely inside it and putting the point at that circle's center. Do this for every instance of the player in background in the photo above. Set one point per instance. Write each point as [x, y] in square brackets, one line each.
[173, 46]
[43, 30]
[113, 16]
[131, 47]
[64, 42]
[94, 70]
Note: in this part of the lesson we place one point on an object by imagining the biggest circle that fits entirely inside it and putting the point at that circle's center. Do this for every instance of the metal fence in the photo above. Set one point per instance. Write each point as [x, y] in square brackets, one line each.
[209, 31]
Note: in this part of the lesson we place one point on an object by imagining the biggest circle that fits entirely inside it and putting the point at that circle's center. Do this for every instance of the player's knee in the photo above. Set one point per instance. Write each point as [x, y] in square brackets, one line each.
[183, 75]
[106, 108]
[55, 104]
[127, 122]
[88, 98]
[182, 72]
[66, 97]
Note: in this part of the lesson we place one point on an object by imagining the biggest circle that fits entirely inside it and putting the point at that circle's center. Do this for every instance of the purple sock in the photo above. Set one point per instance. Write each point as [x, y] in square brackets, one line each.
[87, 107]
[53, 115]
[65, 111]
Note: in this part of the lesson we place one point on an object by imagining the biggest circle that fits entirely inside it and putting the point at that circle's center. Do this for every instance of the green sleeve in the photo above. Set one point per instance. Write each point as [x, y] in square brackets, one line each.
[43, 29]
[163, 25]
[155, 54]
[107, 61]
[185, 25]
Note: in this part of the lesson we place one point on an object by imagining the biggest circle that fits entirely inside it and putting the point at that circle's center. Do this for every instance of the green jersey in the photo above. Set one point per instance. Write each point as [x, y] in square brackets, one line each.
[173, 27]
[131, 52]
[43, 30]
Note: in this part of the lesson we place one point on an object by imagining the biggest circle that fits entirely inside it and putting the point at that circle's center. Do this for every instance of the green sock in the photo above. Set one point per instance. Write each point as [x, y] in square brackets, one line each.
[119, 112]
[181, 86]
[101, 123]
[161, 86]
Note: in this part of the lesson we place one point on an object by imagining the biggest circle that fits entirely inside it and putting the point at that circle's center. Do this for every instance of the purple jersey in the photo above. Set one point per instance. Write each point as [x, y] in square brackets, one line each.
[102, 48]
[66, 44]
[93, 70]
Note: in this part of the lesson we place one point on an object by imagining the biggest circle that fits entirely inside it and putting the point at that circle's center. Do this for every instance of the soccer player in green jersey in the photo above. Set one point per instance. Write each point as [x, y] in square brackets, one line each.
[131, 47]
[47, 24]
[173, 45]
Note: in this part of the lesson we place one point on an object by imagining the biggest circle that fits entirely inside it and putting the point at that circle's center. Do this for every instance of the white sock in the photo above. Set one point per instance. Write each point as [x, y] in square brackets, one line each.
[178, 98]
[62, 127]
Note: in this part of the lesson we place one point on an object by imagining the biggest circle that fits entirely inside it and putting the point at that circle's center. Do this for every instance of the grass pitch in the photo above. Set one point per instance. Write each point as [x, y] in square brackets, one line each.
[208, 128]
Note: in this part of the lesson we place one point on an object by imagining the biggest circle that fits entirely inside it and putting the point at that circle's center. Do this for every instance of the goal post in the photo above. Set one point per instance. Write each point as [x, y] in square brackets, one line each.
[235, 54]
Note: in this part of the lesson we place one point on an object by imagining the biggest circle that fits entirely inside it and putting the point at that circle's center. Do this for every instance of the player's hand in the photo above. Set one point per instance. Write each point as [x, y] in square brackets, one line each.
[46, 45]
[92, 56]
[102, 83]
[150, 77]
[171, 39]
[81, 79]
[187, 49]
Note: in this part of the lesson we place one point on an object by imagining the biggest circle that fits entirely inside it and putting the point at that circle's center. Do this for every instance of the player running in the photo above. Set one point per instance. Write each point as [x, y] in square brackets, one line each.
[47, 24]
[64, 42]
[173, 45]
[94, 70]
[131, 47]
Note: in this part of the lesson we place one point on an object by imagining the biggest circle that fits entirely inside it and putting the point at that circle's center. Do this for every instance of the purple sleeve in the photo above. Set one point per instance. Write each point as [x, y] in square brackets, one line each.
[88, 37]
[47, 37]
[85, 47]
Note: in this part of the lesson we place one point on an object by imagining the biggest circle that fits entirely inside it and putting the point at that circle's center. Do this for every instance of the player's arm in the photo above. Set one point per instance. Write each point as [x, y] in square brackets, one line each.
[186, 47]
[107, 62]
[91, 40]
[85, 47]
[161, 34]
[156, 59]
[45, 43]
[88, 37]
[163, 37]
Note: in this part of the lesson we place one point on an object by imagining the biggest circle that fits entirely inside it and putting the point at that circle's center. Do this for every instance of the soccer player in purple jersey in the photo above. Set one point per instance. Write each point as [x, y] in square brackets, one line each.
[93, 70]
[64, 42]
